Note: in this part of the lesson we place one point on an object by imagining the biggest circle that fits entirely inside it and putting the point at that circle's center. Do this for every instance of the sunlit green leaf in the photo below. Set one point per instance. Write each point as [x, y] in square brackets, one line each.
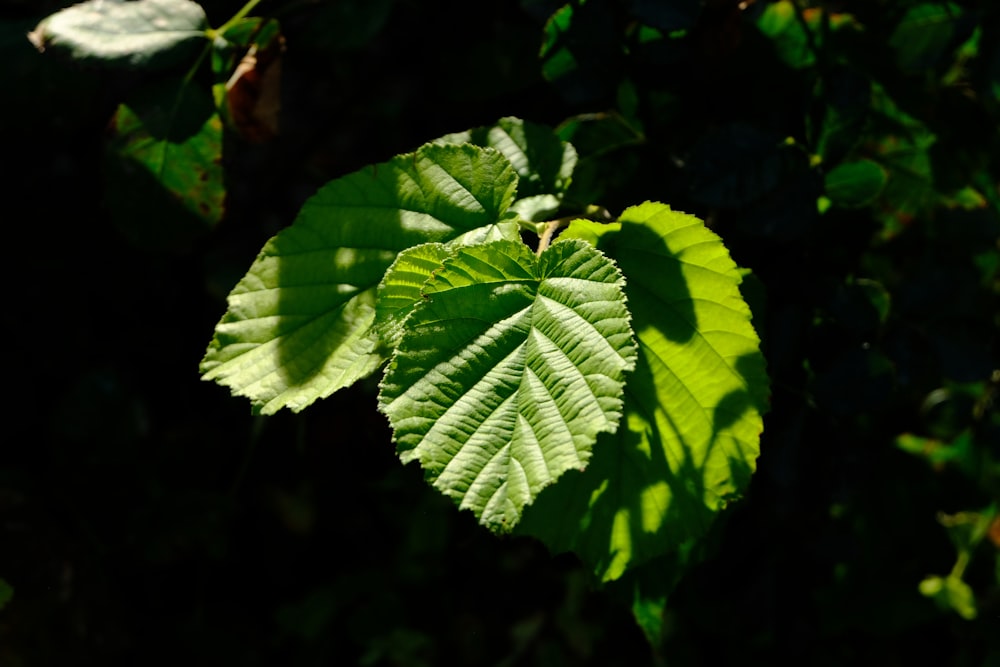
[544, 163]
[145, 34]
[300, 323]
[689, 439]
[505, 375]
[402, 287]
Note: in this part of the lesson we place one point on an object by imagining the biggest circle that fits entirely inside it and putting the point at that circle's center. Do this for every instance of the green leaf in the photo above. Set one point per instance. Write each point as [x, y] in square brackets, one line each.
[402, 287]
[951, 593]
[923, 35]
[300, 323]
[779, 22]
[902, 145]
[544, 163]
[145, 34]
[690, 436]
[855, 184]
[166, 181]
[508, 371]
[799, 34]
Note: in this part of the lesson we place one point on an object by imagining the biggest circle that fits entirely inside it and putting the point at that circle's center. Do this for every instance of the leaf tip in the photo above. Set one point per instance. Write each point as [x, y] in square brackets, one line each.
[37, 37]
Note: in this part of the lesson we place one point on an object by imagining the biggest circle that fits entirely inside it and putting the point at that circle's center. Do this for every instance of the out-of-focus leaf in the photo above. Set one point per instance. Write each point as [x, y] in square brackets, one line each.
[901, 144]
[950, 593]
[855, 184]
[145, 34]
[797, 34]
[924, 34]
[845, 96]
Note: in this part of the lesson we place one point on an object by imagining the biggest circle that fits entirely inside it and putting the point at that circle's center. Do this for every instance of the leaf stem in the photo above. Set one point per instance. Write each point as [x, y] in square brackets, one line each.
[239, 16]
[551, 227]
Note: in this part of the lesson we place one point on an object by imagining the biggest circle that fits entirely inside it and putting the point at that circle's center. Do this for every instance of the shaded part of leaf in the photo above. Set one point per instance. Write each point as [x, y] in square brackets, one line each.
[145, 34]
[301, 323]
[693, 405]
[581, 51]
[165, 181]
[505, 375]
[924, 35]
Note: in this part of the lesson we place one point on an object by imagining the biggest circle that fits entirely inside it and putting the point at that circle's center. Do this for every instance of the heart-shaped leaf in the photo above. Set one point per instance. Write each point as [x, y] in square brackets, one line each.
[507, 372]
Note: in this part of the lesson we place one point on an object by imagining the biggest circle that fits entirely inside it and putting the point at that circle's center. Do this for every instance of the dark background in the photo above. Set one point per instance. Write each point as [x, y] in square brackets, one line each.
[147, 518]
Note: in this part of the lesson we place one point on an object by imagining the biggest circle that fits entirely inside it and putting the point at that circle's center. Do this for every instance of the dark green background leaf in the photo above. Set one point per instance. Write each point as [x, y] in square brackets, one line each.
[165, 176]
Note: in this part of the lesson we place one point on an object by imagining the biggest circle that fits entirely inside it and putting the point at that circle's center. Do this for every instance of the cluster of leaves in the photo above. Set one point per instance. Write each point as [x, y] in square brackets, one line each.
[845, 151]
[506, 365]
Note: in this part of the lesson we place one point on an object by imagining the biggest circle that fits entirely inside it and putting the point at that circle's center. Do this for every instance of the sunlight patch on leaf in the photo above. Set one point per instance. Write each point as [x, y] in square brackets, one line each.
[690, 435]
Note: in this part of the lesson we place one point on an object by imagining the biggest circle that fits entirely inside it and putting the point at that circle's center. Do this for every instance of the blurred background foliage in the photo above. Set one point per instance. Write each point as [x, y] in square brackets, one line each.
[847, 152]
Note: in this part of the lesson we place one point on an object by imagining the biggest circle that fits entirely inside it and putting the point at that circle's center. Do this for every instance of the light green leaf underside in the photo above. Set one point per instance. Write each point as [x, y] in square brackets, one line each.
[690, 437]
[300, 323]
[508, 371]
[543, 162]
[142, 34]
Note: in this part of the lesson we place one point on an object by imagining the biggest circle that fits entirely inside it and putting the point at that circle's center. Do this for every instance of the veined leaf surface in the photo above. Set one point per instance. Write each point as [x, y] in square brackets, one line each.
[544, 163]
[300, 323]
[507, 372]
[690, 436]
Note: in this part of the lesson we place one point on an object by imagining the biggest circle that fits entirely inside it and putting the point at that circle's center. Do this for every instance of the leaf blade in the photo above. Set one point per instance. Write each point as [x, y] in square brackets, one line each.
[693, 405]
[508, 372]
[300, 325]
[145, 34]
